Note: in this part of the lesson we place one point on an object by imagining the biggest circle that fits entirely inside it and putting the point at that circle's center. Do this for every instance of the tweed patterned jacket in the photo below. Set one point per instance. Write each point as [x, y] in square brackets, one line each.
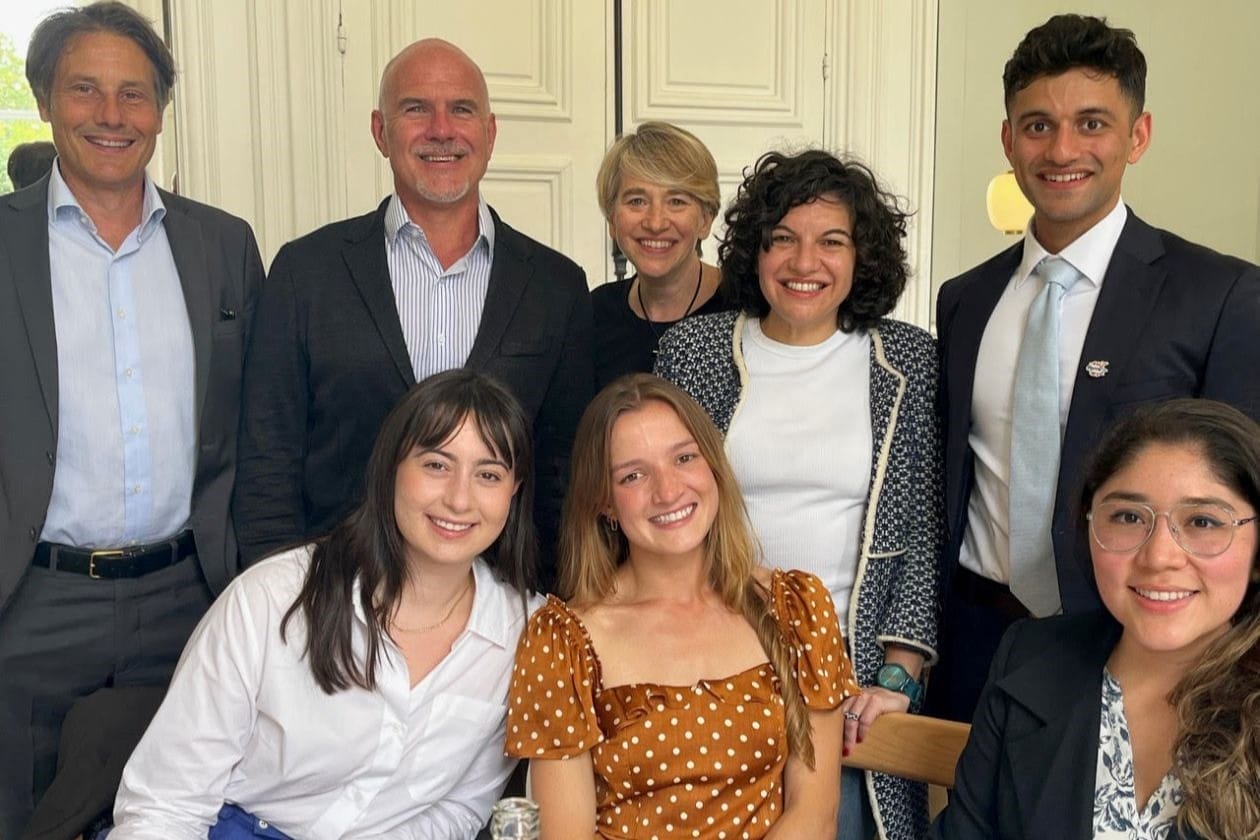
[895, 592]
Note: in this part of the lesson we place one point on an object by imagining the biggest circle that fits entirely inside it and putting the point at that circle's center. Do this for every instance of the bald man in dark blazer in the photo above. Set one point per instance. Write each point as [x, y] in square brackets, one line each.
[355, 312]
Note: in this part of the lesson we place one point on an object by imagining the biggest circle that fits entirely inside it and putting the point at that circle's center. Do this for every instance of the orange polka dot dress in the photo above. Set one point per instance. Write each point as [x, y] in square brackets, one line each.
[703, 760]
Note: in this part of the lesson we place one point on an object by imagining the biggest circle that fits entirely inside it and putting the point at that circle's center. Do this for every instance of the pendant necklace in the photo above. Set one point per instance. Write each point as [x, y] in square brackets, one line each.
[652, 324]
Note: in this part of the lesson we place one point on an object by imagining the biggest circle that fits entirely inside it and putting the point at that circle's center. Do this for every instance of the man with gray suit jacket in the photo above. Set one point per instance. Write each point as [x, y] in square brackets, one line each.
[124, 312]
[358, 311]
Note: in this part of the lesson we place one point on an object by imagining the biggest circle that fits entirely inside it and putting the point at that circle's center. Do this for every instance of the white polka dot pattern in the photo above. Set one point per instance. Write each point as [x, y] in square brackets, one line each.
[704, 760]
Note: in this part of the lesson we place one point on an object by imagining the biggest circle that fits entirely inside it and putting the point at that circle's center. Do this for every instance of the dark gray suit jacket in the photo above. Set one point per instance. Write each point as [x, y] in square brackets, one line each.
[220, 271]
[1029, 766]
[329, 361]
[1173, 319]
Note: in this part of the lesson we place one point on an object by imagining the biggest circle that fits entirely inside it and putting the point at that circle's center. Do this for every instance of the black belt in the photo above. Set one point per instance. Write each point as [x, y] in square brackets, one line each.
[984, 592]
[114, 563]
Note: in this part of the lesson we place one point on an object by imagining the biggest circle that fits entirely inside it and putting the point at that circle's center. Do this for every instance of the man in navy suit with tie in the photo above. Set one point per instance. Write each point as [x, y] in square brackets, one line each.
[1048, 343]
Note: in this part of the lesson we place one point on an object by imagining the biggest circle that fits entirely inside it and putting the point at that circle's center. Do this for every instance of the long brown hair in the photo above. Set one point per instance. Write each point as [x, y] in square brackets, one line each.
[1216, 752]
[591, 552]
[367, 546]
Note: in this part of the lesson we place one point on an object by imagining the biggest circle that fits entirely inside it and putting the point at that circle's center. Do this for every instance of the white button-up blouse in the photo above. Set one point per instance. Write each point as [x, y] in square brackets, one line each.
[244, 722]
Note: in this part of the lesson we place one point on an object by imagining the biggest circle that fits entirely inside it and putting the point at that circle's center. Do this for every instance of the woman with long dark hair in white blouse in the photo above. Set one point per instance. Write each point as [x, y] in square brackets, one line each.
[355, 687]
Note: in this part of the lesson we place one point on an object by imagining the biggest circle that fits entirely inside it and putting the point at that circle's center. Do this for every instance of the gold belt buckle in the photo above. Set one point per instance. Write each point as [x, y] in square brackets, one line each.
[113, 552]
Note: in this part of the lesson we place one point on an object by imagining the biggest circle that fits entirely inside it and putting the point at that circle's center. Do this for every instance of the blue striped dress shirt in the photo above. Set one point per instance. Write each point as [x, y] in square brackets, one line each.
[126, 435]
[440, 310]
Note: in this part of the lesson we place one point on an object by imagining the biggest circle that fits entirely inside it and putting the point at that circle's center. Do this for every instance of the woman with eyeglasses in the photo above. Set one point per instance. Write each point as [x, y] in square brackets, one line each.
[1142, 721]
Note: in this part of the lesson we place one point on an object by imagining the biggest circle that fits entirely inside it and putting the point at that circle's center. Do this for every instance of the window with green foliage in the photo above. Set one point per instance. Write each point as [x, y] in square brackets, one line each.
[19, 118]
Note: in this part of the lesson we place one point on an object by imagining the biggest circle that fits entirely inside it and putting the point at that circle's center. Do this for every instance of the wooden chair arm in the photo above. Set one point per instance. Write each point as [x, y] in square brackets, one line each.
[924, 749]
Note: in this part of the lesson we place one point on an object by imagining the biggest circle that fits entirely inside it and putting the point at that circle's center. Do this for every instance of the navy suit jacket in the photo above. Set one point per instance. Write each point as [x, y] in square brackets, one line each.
[220, 272]
[329, 361]
[1173, 319]
[1028, 770]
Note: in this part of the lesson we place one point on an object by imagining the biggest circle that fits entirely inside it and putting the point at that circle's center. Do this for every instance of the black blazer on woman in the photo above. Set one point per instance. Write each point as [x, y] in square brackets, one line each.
[1028, 769]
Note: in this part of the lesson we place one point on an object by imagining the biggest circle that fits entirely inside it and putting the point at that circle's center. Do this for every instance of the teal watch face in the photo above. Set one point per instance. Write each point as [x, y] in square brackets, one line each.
[897, 678]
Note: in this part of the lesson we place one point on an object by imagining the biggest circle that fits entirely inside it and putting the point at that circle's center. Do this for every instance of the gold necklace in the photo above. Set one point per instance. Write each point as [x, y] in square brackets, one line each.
[445, 618]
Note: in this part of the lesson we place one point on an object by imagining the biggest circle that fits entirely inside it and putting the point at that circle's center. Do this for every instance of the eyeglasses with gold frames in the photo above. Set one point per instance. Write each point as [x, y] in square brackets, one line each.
[1203, 530]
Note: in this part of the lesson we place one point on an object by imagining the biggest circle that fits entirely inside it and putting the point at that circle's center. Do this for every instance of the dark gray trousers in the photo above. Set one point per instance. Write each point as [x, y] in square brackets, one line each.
[63, 636]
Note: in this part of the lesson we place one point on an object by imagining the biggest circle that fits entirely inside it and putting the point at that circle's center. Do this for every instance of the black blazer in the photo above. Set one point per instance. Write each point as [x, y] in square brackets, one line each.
[329, 361]
[1173, 319]
[1029, 766]
[220, 272]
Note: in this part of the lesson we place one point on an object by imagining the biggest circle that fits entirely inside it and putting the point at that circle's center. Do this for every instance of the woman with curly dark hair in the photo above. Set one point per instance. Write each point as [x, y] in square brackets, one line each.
[1142, 720]
[828, 411]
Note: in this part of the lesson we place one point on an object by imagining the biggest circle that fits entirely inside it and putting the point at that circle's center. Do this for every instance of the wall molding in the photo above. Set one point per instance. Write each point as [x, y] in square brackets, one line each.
[657, 93]
[884, 107]
[554, 174]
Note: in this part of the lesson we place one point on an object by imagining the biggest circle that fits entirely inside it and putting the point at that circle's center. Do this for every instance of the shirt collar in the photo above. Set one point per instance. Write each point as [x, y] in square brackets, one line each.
[491, 615]
[1090, 253]
[396, 220]
[63, 205]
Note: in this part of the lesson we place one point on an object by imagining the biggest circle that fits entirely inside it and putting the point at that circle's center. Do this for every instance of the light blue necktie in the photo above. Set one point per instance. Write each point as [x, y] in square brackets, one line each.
[1035, 443]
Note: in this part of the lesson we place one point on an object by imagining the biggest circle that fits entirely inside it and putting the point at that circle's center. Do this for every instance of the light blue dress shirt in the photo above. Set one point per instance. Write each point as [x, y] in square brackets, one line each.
[126, 435]
[439, 309]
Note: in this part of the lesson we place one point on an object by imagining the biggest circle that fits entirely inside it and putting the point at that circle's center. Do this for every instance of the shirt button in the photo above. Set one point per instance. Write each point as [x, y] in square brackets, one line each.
[134, 430]
[122, 313]
[262, 824]
[135, 489]
[128, 372]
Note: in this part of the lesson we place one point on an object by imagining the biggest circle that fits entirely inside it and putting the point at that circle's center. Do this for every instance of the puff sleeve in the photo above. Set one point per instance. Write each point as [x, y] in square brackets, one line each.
[551, 701]
[807, 616]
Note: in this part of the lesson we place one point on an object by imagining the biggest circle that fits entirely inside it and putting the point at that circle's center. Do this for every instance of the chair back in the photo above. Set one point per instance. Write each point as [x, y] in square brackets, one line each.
[924, 749]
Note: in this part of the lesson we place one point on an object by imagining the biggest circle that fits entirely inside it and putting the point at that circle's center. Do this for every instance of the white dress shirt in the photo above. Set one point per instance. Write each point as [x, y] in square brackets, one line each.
[986, 546]
[245, 722]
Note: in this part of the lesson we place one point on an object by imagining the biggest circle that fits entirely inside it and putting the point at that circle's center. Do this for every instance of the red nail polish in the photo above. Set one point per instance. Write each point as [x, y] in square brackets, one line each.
[845, 752]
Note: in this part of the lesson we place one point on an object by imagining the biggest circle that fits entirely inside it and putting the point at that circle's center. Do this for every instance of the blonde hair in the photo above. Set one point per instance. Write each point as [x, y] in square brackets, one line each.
[591, 551]
[663, 154]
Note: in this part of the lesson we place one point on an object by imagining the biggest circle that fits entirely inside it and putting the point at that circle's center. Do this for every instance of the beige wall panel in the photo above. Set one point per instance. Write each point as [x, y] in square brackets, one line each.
[688, 65]
[261, 129]
[882, 108]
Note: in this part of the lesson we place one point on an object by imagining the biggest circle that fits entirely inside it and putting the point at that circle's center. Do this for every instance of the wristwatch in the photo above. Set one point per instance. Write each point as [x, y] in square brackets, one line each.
[896, 678]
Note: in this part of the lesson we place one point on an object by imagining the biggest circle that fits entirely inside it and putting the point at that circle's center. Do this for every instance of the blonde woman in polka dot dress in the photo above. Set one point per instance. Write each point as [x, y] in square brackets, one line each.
[682, 690]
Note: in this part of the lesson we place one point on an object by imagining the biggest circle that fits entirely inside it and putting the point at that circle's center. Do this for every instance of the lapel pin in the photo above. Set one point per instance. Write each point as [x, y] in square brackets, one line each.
[1098, 368]
[227, 314]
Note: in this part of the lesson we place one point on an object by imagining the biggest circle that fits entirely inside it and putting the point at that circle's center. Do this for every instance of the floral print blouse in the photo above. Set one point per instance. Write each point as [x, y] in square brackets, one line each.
[1117, 815]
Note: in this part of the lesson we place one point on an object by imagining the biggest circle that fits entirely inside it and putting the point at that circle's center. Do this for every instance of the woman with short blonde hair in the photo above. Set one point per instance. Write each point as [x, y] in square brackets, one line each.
[659, 193]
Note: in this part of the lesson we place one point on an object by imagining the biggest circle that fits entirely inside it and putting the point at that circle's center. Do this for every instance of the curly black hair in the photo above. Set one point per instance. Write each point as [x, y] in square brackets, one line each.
[779, 182]
[1068, 42]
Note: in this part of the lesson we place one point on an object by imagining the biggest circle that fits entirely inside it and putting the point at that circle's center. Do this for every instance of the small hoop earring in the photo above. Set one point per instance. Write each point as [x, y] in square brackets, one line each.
[612, 525]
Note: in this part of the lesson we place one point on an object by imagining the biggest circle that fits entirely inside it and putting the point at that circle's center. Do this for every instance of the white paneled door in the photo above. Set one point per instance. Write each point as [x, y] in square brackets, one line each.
[745, 76]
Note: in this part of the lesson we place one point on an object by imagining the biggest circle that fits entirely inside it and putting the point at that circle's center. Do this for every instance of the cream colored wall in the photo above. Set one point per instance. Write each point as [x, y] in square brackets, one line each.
[1201, 176]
